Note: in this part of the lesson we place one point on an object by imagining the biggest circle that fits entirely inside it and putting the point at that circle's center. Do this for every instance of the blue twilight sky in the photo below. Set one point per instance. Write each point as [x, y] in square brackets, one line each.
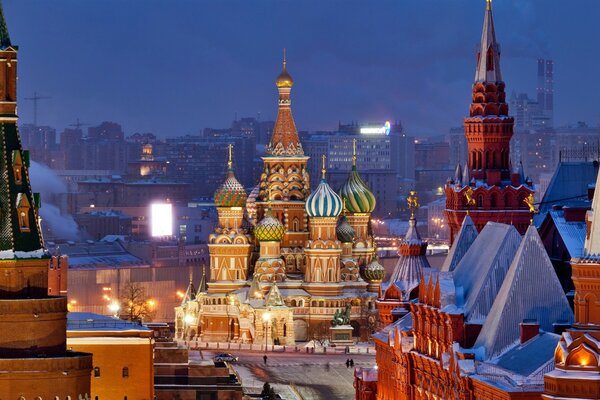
[174, 66]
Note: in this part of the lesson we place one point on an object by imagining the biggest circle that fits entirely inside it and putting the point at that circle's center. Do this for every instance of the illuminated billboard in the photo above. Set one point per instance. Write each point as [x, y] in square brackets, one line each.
[377, 130]
[161, 220]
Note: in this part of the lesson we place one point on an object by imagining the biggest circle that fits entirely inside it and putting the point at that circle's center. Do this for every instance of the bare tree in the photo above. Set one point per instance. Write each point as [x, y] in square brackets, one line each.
[319, 332]
[135, 305]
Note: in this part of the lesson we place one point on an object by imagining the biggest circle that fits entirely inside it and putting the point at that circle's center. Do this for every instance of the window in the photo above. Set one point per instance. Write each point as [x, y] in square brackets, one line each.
[96, 373]
[23, 207]
[125, 373]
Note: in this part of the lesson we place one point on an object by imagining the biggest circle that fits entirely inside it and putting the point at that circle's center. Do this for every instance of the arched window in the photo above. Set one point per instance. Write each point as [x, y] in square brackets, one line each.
[480, 201]
[296, 225]
[490, 59]
[125, 372]
[284, 330]
[96, 372]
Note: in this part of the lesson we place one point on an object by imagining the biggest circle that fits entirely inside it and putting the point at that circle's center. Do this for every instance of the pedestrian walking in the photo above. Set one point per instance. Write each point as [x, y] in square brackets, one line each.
[352, 363]
[265, 359]
[347, 363]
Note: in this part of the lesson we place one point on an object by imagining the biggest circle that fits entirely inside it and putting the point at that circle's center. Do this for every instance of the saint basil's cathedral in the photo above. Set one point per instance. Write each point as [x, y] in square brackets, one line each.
[284, 260]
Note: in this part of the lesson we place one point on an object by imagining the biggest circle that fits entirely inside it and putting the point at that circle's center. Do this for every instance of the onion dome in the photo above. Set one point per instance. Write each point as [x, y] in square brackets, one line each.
[355, 192]
[231, 193]
[345, 232]
[284, 80]
[374, 272]
[269, 229]
[323, 202]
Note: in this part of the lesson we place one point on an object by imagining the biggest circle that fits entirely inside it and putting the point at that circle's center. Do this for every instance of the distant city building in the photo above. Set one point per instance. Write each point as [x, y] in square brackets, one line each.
[98, 224]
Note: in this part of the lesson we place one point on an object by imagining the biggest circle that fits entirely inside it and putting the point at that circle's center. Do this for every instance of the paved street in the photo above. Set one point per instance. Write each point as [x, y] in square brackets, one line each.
[315, 376]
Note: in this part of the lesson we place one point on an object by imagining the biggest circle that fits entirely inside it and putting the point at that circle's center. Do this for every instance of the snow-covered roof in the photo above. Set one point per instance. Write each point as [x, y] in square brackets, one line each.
[465, 238]
[480, 273]
[530, 291]
[86, 321]
[569, 182]
[572, 233]
[525, 359]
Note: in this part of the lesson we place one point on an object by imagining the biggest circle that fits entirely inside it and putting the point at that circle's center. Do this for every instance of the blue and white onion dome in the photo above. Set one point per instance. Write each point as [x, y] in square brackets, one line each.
[323, 202]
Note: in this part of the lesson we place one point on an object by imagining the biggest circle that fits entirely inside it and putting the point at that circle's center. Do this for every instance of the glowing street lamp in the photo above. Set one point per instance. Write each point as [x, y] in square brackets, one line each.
[266, 318]
[188, 319]
[114, 308]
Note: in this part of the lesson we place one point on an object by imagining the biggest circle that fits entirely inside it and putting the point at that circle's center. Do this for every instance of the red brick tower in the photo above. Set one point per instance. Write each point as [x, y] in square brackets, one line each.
[497, 194]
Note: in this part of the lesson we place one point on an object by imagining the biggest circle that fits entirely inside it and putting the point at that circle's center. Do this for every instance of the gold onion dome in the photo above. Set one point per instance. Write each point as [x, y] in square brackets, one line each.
[374, 272]
[344, 231]
[269, 229]
[356, 194]
[231, 193]
[284, 80]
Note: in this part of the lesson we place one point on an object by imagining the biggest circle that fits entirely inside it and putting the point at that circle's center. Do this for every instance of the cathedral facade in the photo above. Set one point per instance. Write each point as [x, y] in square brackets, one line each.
[285, 258]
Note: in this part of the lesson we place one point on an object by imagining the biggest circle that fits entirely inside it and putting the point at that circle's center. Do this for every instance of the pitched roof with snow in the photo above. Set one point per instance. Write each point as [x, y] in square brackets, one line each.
[572, 233]
[481, 271]
[530, 291]
[592, 242]
[465, 238]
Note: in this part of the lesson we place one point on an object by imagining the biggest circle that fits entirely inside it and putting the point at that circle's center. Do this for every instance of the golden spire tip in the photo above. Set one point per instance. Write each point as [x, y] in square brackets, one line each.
[284, 58]
[324, 168]
[354, 152]
[488, 5]
[230, 161]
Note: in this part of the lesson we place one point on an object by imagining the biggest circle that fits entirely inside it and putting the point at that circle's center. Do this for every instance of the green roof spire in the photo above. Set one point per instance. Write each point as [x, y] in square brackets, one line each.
[4, 36]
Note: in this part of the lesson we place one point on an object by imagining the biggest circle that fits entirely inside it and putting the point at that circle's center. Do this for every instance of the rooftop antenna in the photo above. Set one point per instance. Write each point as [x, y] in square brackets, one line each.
[78, 124]
[35, 100]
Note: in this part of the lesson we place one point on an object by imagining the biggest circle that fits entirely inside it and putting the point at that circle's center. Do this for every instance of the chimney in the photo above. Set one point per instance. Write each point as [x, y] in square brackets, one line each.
[530, 328]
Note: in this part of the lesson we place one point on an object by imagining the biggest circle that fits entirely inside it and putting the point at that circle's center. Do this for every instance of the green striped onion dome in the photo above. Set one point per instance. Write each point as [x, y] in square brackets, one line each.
[345, 232]
[323, 202]
[356, 194]
[269, 229]
[231, 193]
[374, 272]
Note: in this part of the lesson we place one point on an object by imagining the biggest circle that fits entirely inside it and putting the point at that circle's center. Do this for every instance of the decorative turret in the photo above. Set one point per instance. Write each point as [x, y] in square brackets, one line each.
[269, 229]
[345, 232]
[230, 245]
[190, 292]
[285, 140]
[323, 202]
[374, 273]
[496, 193]
[356, 193]
[360, 202]
[231, 193]
[269, 232]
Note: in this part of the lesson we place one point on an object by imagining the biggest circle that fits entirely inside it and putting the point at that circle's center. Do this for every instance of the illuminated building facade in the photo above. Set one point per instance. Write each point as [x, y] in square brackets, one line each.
[498, 193]
[284, 259]
[34, 361]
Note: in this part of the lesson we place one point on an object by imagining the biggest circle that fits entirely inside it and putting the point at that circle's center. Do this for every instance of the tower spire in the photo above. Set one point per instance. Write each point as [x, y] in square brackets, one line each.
[4, 36]
[324, 167]
[353, 153]
[488, 55]
[230, 161]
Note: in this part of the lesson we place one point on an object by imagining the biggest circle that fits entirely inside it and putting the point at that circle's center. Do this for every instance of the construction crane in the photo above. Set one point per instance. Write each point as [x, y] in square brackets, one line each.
[35, 100]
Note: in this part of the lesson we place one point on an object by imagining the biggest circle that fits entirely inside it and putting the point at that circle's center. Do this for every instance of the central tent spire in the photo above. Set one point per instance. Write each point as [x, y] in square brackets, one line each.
[488, 55]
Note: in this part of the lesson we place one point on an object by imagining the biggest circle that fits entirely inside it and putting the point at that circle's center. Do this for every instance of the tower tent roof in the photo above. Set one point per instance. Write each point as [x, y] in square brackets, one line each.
[488, 56]
[481, 271]
[530, 292]
[465, 238]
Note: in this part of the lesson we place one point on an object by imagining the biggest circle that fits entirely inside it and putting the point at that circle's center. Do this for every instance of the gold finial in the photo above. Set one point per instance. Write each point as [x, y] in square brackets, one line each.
[344, 209]
[470, 201]
[191, 277]
[413, 203]
[230, 161]
[323, 168]
[530, 202]
[354, 152]
[489, 5]
[284, 58]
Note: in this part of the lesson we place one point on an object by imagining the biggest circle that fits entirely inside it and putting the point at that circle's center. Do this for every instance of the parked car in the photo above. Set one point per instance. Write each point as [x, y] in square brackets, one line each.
[225, 357]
